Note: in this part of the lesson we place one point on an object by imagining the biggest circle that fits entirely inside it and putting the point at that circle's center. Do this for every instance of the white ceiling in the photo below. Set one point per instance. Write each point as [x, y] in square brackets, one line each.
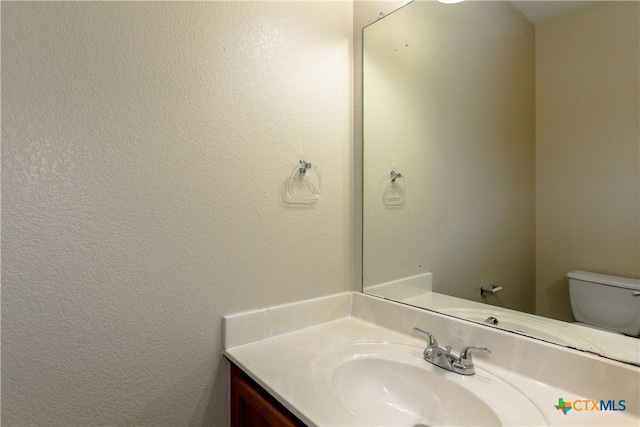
[543, 10]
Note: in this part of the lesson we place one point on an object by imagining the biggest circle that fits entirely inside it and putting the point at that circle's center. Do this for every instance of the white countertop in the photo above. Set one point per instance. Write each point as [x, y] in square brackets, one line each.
[610, 344]
[286, 365]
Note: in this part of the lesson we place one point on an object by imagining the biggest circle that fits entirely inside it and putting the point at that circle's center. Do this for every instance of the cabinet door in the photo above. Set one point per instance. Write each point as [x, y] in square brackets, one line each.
[252, 406]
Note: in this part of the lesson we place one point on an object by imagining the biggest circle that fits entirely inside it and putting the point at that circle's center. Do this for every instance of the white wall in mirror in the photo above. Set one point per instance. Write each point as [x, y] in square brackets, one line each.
[518, 141]
[449, 102]
[587, 149]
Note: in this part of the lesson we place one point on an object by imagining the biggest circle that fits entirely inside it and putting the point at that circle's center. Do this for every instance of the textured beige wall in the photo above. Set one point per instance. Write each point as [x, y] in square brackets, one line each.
[588, 149]
[143, 149]
[450, 104]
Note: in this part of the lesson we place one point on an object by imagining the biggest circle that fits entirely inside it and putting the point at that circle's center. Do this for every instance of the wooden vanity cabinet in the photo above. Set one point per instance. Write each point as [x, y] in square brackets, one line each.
[252, 406]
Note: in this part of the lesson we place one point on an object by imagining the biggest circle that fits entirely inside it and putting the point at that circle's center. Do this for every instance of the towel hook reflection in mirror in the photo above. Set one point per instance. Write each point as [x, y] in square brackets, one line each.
[393, 194]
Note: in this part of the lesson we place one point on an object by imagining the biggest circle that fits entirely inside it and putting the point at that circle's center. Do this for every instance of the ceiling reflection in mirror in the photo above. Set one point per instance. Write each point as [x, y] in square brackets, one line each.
[501, 153]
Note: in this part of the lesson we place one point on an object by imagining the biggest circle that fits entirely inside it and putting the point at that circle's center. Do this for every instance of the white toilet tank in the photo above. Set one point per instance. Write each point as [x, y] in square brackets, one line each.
[607, 302]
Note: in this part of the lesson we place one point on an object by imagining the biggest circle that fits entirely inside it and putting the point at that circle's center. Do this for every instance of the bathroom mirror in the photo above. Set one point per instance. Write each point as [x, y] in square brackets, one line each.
[501, 151]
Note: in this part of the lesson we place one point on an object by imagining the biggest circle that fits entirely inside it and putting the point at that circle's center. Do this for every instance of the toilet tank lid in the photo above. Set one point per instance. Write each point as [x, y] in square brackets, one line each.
[605, 279]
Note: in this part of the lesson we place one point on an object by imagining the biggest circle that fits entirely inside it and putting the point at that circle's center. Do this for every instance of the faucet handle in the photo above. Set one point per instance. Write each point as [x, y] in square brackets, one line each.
[432, 340]
[465, 354]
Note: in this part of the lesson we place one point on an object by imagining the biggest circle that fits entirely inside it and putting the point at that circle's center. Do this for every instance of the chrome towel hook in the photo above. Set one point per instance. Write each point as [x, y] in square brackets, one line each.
[304, 166]
[303, 185]
[393, 194]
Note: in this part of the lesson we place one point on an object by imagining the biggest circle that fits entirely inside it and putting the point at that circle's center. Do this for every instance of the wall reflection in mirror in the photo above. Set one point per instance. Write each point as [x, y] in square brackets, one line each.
[501, 151]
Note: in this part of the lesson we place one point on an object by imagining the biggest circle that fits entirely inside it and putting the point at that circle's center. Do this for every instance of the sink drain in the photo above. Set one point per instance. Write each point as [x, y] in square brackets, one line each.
[420, 425]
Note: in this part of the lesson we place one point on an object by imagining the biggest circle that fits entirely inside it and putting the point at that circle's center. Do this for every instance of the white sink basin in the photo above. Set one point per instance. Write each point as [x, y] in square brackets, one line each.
[388, 384]
[392, 392]
[533, 326]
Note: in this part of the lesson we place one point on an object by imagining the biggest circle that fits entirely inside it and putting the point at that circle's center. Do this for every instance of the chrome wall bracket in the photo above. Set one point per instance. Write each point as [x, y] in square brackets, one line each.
[304, 166]
[494, 289]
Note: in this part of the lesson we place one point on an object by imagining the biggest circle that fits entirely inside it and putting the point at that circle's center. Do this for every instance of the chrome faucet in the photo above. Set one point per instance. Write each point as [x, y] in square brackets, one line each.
[443, 358]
